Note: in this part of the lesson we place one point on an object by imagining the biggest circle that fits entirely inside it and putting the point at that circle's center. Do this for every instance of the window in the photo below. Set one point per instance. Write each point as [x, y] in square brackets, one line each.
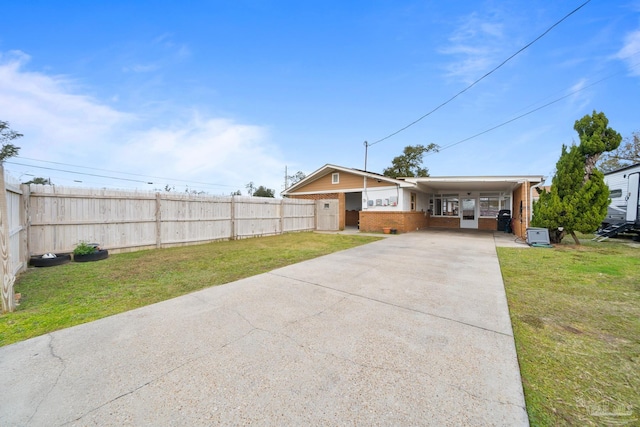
[444, 204]
[335, 178]
[615, 193]
[492, 203]
[413, 201]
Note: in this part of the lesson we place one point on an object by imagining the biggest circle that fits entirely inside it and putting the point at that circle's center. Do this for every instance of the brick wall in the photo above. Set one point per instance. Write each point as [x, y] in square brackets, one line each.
[487, 224]
[444, 222]
[416, 221]
[520, 220]
[372, 221]
[315, 196]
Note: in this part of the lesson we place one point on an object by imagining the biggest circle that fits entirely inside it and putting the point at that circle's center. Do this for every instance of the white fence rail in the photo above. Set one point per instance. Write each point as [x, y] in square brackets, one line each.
[61, 217]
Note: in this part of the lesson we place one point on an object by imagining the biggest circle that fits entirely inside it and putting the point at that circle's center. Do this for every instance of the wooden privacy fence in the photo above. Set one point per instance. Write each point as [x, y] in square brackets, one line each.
[17, 241]
[59, 218]
[13, 239]
[36, 219]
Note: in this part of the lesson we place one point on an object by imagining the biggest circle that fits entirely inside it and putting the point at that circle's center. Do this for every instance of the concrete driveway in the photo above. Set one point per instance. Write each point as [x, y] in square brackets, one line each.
[410, 330]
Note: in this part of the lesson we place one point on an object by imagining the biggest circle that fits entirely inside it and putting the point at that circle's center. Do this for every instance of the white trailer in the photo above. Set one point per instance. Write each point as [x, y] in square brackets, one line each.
[623, 214]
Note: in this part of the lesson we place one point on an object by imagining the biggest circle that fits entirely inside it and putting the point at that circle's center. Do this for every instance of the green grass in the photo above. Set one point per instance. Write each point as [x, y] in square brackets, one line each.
[575, 312]
[67, 295]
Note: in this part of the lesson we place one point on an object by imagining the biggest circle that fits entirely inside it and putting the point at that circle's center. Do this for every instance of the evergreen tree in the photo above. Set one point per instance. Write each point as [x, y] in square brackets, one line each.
[578, 198]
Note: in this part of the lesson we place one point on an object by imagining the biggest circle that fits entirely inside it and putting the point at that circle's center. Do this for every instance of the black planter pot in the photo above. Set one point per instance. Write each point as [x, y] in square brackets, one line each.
[96, 256]
[38, 261]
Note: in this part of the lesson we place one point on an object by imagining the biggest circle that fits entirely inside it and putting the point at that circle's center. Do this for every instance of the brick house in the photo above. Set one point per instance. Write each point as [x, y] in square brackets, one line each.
[373, 201]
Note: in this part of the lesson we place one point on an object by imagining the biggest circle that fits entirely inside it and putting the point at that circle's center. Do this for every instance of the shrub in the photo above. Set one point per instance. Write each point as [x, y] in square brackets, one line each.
[84, 249]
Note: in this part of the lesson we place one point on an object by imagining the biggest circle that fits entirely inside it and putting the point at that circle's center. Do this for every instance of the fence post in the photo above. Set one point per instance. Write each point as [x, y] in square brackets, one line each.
[315, 215]
[25, 222]
[8, 279]
[233, 218]
[158, 221]
[281, 216]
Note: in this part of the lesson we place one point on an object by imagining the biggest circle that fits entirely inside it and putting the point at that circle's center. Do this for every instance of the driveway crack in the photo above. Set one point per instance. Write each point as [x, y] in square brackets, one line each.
[164, 374]
[417, 372]
[384, 368]
[55, 383]
[393, 305]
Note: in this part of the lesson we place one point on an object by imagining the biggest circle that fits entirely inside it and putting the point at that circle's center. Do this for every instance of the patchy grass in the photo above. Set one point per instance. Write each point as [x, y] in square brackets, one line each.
[67, 295]
[575, 312]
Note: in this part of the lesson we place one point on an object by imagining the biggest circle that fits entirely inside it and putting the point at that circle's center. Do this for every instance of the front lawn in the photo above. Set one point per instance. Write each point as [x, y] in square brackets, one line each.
[575, 312]
[59, 297]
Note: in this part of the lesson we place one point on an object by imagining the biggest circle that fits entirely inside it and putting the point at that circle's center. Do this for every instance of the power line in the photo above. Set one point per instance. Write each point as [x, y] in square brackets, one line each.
[529, 112]
[79, 173]
[483, 77]
[118, 172]
[56, 179]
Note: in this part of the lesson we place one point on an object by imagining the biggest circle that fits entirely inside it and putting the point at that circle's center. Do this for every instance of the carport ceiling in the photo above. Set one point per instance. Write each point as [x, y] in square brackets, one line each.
[488, 184]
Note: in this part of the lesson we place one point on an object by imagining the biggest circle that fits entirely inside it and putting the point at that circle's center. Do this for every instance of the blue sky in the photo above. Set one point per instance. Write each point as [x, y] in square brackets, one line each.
[211, 95]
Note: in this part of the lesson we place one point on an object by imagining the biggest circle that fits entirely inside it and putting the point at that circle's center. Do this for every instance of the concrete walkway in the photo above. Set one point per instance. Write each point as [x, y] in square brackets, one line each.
[410, 330]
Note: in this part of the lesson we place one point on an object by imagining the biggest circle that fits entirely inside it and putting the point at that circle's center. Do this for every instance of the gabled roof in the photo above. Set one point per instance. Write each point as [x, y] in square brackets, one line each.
[430, 183]
[329, 168]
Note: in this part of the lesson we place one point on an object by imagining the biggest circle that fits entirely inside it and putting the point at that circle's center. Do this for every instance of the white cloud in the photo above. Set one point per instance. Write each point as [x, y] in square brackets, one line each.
[207, 149]
[61, 124]
[475, 45]
[629, 52]
[580, 98]
[45, 109]
[141, 68]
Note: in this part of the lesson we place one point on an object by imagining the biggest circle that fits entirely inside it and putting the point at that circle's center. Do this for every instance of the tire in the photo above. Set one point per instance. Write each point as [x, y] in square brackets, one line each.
[38, 261]
[96, 256]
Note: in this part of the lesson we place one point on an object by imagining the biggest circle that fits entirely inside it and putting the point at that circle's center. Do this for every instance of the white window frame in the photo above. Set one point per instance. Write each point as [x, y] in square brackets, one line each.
[444, 201]
[335, 178]
[503, 198]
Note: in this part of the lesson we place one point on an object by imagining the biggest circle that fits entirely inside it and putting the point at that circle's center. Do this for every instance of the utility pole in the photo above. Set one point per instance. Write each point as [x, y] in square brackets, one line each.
[366, 152]
[286, 178]
[366, 196]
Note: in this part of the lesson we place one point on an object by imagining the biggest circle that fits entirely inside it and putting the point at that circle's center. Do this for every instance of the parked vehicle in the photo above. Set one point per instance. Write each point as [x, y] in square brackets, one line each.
[623, 213]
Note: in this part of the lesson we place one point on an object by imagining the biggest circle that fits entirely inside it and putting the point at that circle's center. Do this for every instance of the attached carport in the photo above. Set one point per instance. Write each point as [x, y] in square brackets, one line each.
[474, 202]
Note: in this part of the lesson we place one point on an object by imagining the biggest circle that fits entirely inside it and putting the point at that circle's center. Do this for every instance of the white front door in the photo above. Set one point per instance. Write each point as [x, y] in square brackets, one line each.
[469, 218]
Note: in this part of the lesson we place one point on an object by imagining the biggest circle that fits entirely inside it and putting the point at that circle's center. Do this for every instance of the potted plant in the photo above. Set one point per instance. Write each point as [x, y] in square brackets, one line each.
[85, 252]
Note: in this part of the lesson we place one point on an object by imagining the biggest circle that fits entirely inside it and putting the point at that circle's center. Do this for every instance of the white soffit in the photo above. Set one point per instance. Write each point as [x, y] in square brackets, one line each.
[478, 183]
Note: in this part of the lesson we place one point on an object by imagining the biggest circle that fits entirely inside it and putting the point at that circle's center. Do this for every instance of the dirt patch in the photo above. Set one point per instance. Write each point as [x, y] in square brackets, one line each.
[571, 329]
